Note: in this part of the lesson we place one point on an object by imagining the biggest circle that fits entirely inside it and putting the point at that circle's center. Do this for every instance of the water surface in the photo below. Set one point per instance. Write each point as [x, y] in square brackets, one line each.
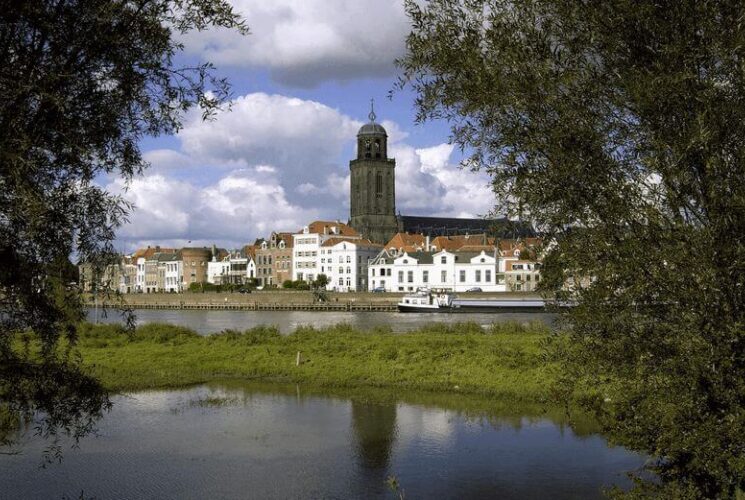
[206, 322]
[276, 441]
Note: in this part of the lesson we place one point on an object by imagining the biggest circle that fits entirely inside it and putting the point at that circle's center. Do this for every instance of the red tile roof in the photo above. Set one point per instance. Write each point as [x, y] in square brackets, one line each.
[327, 227]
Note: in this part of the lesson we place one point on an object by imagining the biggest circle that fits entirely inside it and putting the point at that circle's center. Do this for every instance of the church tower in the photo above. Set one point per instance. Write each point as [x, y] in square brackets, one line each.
[373, 185]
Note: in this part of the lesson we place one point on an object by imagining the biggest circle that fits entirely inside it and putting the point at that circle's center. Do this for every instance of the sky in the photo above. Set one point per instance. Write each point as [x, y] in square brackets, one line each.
[301, 81]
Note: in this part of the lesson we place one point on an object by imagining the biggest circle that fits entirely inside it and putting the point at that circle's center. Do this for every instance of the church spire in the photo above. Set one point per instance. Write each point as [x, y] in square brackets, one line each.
[372, 116]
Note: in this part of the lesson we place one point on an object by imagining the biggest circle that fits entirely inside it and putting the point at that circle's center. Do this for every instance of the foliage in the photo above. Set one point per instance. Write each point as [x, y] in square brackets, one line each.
[506, 361]
[617, 128]
[296, 285]
[81, 83]
[212, 287]
[321, 281]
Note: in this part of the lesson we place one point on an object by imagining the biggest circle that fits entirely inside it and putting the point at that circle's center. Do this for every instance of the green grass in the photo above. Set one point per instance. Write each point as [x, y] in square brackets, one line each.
[505, 360]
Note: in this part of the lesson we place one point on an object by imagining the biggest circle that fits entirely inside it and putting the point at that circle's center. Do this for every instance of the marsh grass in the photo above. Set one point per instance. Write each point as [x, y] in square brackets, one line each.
[505, 359]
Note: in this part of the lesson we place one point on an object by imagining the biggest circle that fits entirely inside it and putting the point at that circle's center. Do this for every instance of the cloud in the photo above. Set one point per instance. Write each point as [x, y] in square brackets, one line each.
[243, 205]
[466, 193]
[302, 139]
[306, 42]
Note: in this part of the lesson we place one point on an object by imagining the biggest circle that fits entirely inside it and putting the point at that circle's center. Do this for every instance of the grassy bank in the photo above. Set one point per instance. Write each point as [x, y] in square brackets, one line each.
[503, 360]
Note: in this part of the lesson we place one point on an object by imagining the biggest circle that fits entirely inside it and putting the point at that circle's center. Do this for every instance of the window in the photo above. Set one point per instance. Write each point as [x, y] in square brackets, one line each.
[443, 260]
[379, 185]
[400, 276]
[478, 276]
[349, 270]
[372, 272]
[425, 276]
[462, 276]
[443, 276]
[341, 281]
[527, 278]
[406, 261]
[487, 275]
[483, 260]
[349, 259]
[410, 277]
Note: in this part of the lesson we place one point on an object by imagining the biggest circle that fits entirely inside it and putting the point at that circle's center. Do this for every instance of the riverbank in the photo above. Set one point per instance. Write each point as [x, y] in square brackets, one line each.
[278, 300]
[505, 360]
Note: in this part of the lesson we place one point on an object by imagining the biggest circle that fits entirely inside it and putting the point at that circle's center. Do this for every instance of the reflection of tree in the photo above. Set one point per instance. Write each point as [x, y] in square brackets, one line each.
[374, 427]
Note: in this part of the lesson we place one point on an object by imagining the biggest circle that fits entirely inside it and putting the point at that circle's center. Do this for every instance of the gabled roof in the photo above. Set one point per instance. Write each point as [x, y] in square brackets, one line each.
[364, 242]
[488, 249]
[149, 252]
[284, 236]
[249, 251]
[330, 227]
[452, 243]
[420, 257]
[407, 242]
[508, 248]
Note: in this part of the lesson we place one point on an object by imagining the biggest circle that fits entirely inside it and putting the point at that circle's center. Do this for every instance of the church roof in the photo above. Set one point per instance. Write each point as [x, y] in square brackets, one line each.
[372, 128]
[446, 226]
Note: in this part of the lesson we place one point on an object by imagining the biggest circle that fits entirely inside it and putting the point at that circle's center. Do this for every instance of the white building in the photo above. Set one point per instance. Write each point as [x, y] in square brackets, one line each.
[458, 271]
[306, 262]
[236, 267]
[345, 260]
[174, 275]
[218, 271]
[140, 276]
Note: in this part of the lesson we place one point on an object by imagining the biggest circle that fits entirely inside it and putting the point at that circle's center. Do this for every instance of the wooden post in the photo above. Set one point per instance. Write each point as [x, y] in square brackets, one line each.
[297, 359]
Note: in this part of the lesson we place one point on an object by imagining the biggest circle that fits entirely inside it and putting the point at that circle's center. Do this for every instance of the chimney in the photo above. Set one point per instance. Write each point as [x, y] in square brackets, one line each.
[426, 244]
[325, 229]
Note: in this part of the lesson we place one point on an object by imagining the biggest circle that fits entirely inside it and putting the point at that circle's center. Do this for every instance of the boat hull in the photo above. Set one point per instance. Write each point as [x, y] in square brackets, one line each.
[480, 306]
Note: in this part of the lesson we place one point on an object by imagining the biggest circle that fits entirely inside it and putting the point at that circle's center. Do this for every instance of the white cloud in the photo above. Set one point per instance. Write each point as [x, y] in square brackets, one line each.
[466, 193]
[305, 42]
[302, 139]
[234, 211]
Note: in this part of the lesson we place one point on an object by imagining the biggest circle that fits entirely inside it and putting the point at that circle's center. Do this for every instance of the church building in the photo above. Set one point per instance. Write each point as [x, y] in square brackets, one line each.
[373, 198]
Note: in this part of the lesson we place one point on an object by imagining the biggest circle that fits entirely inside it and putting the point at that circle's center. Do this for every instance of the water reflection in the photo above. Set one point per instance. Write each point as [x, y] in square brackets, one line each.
[206, 322]
[237, 440]
[374, 427]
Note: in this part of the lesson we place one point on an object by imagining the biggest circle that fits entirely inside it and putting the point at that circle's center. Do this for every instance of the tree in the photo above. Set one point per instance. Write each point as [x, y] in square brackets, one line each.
[81, 83]
[618, 129]
[321, 281]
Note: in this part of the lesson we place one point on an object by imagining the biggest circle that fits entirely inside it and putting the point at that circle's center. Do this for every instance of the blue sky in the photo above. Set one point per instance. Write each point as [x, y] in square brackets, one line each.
[302, 83]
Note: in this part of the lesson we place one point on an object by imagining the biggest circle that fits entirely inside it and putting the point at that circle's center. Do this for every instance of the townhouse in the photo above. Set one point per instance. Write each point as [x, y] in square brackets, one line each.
[344, 261]
[306, 261]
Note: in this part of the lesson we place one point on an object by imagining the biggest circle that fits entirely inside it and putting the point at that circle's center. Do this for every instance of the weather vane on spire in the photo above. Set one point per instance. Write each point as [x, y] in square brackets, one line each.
[372, 110]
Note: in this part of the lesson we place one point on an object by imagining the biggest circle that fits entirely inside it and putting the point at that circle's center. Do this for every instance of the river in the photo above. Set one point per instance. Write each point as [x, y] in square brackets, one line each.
[206, 322]
[249, 440]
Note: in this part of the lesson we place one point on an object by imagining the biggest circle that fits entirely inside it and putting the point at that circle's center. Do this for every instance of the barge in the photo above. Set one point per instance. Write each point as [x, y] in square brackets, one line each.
[444, 301]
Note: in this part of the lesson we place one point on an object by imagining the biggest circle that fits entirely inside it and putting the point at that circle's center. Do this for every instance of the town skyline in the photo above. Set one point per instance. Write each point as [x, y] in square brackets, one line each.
[281, 157]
